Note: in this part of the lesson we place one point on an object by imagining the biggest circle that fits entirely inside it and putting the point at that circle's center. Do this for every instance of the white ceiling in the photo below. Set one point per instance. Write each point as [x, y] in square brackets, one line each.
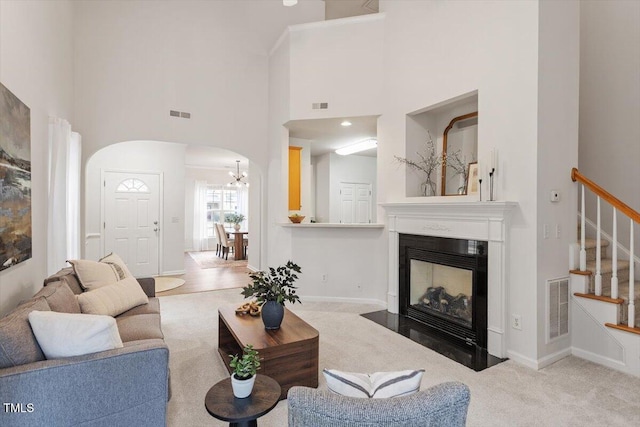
[327, 135]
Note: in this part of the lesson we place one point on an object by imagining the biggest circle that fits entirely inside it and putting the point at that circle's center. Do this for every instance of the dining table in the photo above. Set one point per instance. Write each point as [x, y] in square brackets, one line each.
[238, 239]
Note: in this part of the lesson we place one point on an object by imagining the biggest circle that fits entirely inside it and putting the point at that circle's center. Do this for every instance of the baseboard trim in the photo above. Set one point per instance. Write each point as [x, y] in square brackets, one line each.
[554, 357]
[382, 304]
[252, 268]
[523, 360]
[172, 273]
[618, 365]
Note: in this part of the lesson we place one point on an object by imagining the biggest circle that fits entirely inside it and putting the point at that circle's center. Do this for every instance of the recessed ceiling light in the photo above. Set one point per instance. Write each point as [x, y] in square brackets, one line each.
[345, 123]
[367, 144]
[289, 2]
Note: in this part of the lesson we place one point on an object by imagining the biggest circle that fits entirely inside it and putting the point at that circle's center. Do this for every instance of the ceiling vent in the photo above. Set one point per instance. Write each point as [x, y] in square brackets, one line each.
[182, 114]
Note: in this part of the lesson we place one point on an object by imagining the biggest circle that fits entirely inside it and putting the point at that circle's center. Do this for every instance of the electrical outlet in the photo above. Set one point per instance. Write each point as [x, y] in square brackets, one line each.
[325, 277]
[516, 321]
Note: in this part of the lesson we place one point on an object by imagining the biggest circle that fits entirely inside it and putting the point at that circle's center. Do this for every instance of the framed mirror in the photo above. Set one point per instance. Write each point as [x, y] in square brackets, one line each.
[459, 150]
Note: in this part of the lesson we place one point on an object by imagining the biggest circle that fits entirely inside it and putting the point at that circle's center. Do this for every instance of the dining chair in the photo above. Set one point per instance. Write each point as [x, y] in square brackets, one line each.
[225, 242]
[219, 244]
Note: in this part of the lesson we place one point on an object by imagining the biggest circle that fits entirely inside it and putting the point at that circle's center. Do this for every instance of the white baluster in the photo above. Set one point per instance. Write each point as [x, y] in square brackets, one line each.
[598, 277]
[614, 257]
[583, 251]
[631, 322]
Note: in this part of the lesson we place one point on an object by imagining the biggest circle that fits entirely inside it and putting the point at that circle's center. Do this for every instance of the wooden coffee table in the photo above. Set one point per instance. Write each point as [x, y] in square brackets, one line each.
[222, 404]
[289, 354]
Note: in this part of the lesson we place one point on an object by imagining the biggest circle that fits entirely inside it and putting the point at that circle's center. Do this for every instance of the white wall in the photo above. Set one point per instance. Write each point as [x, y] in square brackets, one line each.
[558, 81]
[337, 62]
[36, 47]
[142, 156]
[496, 53]
[610, 105]
[322, 166]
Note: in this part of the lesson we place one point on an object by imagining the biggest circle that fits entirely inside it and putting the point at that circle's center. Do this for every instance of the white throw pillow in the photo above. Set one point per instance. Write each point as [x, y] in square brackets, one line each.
[114, 298]
[72, 334]
[376, 385]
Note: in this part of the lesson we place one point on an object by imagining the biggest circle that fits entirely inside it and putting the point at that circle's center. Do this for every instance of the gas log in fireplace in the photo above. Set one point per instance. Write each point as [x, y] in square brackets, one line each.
[443, 284]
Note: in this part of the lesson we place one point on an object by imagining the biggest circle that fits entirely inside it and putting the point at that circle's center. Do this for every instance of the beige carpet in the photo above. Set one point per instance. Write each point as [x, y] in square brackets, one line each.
[209, 259]
[571, 392]
[167, 283]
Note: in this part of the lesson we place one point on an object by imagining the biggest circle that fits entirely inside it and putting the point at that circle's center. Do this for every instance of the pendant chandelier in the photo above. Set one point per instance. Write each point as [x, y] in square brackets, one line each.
[238, 177]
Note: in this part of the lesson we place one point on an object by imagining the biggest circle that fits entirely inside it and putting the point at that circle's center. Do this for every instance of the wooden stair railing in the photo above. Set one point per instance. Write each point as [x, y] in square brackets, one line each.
[634, 218]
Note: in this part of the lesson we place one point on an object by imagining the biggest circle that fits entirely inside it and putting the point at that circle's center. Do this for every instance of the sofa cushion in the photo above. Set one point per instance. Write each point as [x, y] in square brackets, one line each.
[68, 276]
[377, 385]
[95, 274]
[139, 327]
[152, 307]
[114, 298]
[70, 334]
[18, 345]
[59, 297]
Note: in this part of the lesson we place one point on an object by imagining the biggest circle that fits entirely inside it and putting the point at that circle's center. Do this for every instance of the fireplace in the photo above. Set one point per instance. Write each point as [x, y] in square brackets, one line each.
[443, 284]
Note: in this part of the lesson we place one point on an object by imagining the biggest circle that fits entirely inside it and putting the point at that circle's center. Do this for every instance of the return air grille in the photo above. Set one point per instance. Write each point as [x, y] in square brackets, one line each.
[558, 308]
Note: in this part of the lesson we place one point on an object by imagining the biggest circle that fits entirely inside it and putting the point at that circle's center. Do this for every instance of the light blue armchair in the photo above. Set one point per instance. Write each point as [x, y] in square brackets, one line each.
[444, 405]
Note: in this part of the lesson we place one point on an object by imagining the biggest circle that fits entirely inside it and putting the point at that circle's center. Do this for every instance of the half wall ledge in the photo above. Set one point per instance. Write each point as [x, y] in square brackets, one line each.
[329, 225]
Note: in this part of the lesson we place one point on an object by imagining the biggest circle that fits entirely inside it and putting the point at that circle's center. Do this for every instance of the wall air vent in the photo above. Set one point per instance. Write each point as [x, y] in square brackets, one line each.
[184, 115]
[557, 308]
[320, 105]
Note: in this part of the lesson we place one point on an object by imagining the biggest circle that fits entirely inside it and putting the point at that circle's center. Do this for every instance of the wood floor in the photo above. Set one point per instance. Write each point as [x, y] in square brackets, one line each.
[208, 279]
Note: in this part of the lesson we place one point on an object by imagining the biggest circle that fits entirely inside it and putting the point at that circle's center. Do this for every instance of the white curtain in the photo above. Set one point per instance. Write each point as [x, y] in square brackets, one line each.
[243, 203]
[200, 239]
[63, 216]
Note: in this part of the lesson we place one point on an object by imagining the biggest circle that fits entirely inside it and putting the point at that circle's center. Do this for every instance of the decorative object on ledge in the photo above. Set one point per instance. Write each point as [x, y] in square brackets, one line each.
[459, 150]
[492, 171]
[296, 219]
[474, 179]
[429, 162]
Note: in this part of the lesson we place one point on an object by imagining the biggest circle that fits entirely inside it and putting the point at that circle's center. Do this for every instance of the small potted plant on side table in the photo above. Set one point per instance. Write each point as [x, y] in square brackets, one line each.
[244, 371]
[272, 289]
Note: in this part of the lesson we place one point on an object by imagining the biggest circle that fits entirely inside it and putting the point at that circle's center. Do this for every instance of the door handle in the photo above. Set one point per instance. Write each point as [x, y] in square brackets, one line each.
[155, 222]
[156, 229]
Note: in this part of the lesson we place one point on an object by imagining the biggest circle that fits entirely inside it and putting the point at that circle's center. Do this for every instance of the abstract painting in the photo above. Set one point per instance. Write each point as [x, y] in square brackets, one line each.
[15, 180]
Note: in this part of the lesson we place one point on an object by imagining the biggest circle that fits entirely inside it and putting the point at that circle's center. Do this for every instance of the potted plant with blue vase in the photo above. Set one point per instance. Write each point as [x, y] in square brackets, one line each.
[272, 288]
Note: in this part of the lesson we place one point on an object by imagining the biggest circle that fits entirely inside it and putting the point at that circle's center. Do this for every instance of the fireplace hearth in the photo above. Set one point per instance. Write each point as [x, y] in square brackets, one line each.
[443, 284]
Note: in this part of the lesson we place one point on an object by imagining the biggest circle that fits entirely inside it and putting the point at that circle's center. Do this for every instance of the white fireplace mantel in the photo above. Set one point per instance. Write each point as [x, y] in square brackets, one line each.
[488, 221]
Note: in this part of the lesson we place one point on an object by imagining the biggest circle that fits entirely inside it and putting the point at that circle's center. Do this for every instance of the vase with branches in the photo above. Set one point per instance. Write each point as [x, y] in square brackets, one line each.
[458, 167]
[428, 163]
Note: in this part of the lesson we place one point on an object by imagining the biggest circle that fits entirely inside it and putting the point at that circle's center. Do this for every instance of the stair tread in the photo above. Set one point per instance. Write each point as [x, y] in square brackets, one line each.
[623, 291]
[605, 265]
[591, 243]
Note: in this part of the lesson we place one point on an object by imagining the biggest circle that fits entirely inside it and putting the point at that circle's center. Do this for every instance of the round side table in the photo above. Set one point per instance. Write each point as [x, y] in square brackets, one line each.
[223, 405]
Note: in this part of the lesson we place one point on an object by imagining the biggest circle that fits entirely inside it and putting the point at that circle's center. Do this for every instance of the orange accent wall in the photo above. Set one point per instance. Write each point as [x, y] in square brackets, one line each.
[294, 178]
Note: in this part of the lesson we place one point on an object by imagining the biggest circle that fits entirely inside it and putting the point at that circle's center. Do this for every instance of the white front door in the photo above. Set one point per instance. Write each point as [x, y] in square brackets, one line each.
[132, 220]
[355, 203]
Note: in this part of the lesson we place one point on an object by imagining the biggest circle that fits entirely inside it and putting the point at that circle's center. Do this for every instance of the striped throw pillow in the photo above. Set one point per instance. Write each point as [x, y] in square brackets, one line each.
[376, 385]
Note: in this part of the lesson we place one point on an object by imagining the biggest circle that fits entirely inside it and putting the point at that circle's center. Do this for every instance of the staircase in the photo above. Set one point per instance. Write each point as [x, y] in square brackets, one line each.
[605, 319]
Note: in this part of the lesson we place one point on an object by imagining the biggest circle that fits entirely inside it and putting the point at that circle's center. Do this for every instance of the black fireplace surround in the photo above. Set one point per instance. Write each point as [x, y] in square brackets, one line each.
[463, 254]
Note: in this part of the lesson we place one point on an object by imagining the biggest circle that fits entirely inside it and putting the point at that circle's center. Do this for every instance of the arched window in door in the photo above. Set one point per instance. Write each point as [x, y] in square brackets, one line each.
[132, 185]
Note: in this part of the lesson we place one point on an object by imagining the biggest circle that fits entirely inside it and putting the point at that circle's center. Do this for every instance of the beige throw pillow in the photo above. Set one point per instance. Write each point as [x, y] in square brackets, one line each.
[71, 334]
[117, 263]
[94, 274]
[114, 298]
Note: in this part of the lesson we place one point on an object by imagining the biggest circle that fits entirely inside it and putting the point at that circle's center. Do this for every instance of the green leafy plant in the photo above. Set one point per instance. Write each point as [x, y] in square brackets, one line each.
[234, 218]
[274, 285]
[247, 365]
